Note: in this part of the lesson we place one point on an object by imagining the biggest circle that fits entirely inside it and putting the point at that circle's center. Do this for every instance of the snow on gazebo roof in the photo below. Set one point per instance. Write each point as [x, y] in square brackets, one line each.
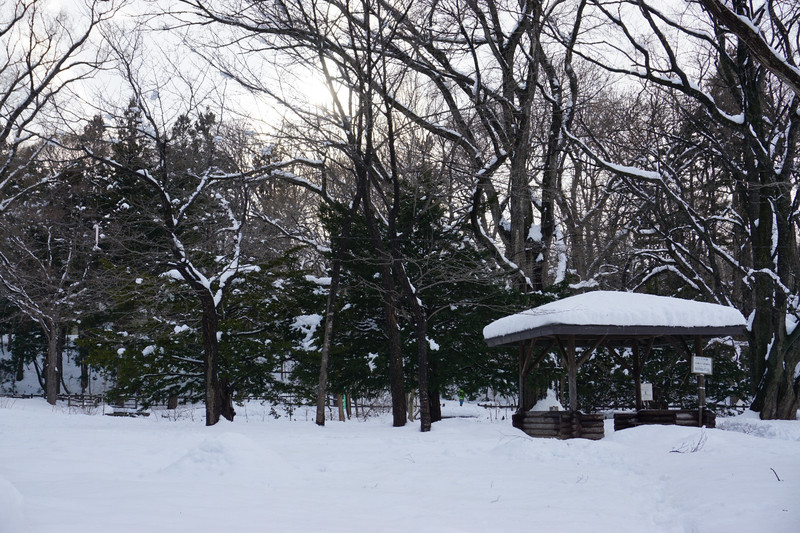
[619, 314]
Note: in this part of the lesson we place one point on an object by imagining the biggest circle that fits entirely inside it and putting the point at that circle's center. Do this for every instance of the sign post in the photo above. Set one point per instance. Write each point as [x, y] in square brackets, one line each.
[701, 366]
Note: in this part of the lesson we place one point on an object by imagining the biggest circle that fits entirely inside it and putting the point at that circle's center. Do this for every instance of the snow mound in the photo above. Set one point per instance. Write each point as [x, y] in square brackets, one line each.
[548, 403]
[452, 409]
[11, 503]
[225, 455]
[750, 424]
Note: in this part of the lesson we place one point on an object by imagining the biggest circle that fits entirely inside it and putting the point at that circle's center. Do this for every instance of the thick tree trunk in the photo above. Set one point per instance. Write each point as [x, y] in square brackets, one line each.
[778, 394]
[520, 246]
[774, 354]
[762, 333]
[218, 400]
[434, 393]
[84, 364]
[420, 332]
[20, 373]
[52, 380]
[396, 375]
[421, 328]
[62, 341]
[390, 302]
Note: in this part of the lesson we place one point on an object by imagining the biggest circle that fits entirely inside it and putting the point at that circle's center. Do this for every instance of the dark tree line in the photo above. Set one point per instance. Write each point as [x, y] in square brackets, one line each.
[470, 158]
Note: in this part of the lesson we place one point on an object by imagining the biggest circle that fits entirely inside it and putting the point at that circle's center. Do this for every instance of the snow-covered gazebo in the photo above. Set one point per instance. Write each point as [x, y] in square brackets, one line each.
[578, 325]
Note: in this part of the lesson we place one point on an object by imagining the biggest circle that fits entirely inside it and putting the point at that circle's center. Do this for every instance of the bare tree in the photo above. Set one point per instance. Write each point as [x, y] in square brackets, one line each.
[744, 122]
[41, 56]
[769, 32]
[48, 243]
[195, 198]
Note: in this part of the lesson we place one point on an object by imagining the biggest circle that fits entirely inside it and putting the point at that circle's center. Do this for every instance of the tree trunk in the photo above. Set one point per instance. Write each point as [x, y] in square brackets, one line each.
[520, 249]
[435, 401]
[421, 328]
[340, 405]
[52, 380]
[218, 401]
[421, 334]
[390, 305]
[20, 374]
[322, 387]
[330, 310]
[412, 415]
[434, 393]
[84, 364]
[396, 374]
[62, 340]
[774, 354]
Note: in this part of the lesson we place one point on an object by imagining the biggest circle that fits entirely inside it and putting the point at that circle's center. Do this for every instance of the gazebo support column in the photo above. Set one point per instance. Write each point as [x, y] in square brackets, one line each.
[568, 356]
[639, 359]
[527, 362]
[572, 363]
[637, 375]
[701, 382]
[522, 375]
[572, 374]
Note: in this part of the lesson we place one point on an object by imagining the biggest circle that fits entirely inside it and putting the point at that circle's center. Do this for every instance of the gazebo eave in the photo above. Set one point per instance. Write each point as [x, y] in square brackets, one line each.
[590, 333]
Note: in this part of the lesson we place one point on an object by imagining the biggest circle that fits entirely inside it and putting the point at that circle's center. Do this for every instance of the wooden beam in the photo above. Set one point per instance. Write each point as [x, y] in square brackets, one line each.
[681, 347]
[572, 374]
[650, 342]
[637, 375]
[522, 350]
[588, 353]
[535, 361]
[561, 350]
[621, 360]
[526, 351]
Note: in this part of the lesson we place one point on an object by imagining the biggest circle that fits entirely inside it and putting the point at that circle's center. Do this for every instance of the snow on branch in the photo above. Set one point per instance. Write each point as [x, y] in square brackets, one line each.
[751, 35]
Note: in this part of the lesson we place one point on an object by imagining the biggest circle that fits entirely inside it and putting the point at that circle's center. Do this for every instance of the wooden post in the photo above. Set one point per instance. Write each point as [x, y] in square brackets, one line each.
[637, 375]
[572, 374]
[701, 382]
[521, 406]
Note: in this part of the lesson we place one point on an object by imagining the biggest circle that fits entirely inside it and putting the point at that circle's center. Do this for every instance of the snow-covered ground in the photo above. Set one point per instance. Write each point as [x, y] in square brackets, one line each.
[65, 471]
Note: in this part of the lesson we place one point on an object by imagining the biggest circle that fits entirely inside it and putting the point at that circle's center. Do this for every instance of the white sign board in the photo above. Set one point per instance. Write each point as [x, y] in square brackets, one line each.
[701, 365]
[647, 392]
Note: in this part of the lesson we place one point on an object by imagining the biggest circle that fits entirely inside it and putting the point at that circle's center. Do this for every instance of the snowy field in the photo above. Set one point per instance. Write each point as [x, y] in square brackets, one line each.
[69, 472]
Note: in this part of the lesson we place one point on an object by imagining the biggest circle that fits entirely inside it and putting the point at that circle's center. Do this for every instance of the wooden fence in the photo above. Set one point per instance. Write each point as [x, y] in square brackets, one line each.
[678, 417]
[560, 424]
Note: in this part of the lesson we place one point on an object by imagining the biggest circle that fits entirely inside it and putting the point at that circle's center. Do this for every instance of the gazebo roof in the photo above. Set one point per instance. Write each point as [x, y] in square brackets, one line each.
[616, 314]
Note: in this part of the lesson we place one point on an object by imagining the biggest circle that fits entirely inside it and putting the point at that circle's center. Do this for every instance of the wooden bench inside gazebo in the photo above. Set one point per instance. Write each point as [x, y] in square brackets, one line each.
[577, 326]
